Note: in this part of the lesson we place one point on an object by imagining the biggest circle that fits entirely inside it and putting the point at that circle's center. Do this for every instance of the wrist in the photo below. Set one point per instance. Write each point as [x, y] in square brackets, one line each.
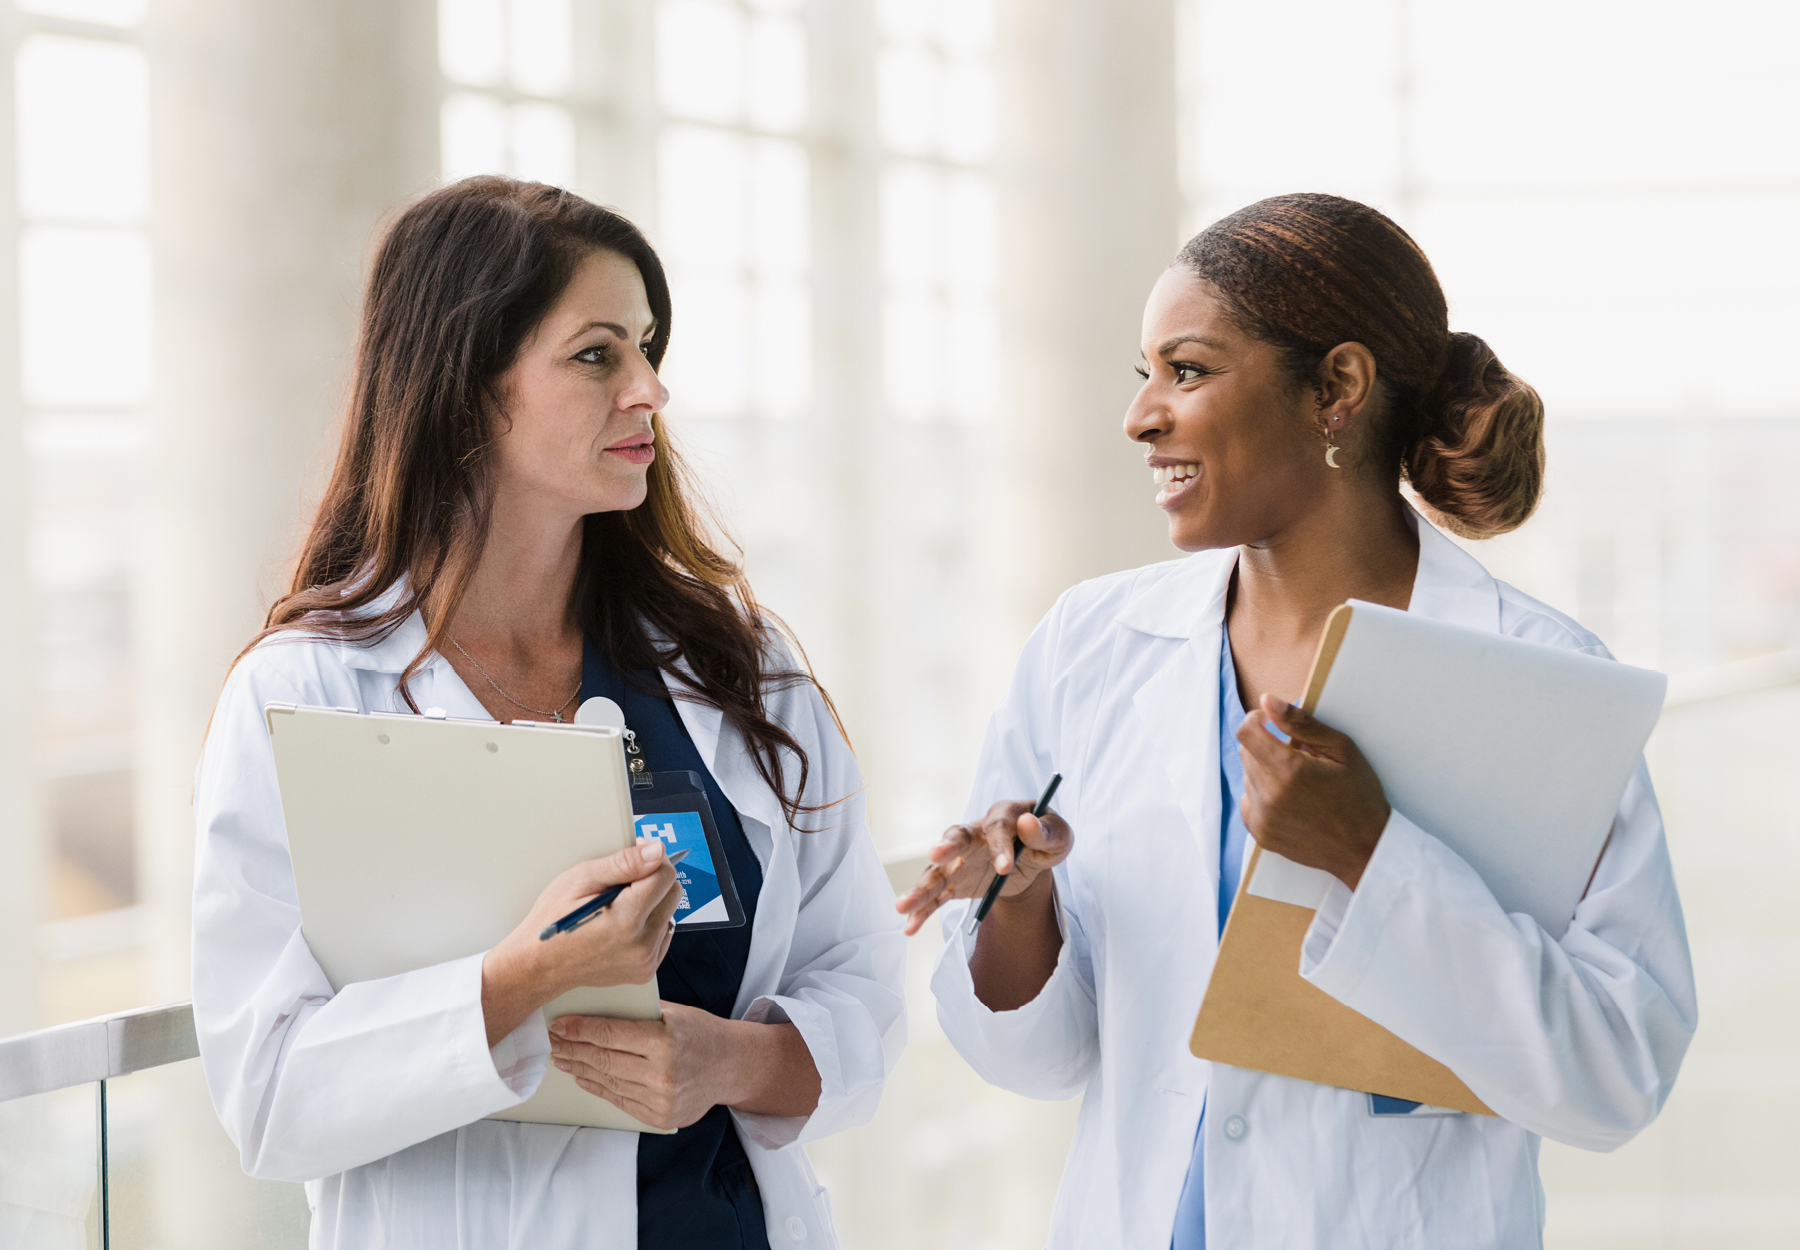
[736, 1060]
[1357, 856]
[520, 977]
[1034, 899]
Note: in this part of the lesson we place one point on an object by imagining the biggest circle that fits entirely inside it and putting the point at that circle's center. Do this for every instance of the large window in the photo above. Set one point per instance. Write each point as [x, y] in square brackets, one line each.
[734, 205]
[508, 64]
[936, 114]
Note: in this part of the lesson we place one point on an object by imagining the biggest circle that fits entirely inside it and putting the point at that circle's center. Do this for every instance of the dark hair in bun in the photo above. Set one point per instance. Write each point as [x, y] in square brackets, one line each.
[1308, 272]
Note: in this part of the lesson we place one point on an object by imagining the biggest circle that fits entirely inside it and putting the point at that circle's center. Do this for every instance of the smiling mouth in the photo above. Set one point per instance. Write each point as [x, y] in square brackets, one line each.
[1174, 481]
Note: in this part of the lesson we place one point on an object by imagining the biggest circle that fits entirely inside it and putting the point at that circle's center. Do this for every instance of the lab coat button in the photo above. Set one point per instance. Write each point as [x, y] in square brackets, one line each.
[1236, 1127]
[796, 1228]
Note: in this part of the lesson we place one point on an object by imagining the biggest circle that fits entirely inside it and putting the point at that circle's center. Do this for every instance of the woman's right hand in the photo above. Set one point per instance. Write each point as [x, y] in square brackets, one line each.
[966, 858]
[623, 945]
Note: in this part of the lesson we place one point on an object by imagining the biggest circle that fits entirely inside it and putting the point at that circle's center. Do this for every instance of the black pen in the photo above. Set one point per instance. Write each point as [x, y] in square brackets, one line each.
[593, 907]
[993, 890]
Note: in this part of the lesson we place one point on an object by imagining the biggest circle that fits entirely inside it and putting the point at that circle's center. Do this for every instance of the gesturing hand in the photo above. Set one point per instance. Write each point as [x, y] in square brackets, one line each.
[967, 857]
[1313, 799]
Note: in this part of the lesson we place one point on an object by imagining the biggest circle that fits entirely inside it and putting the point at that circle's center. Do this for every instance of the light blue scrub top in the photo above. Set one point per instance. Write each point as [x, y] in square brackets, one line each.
[1190, 1212]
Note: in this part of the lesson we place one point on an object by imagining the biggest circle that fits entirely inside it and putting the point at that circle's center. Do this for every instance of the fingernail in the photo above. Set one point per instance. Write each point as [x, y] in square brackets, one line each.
[563, 1064]
[653, 850]
[999, 863]
[559, 1055]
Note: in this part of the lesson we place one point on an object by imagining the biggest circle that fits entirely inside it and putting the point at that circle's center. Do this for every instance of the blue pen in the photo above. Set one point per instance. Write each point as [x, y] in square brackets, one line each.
[593, 907]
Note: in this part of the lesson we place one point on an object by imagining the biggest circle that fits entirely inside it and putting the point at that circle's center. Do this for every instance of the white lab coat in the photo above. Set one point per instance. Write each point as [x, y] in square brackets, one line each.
[374, 1095]
[1578, 1040]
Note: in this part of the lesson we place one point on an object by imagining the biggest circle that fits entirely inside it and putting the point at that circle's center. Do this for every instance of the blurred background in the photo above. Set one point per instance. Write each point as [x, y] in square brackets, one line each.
[909, 242]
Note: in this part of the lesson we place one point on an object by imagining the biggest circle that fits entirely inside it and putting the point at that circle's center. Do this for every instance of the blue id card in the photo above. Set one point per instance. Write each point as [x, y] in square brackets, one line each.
[674, 808]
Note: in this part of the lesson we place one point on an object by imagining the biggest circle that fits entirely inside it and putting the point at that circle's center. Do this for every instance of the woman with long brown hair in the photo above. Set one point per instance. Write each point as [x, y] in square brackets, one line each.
[507, 532]
[1298, 363]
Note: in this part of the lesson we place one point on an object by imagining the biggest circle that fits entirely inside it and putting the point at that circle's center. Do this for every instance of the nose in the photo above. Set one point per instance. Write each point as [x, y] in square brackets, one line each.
[644, 390]
[1146, 419]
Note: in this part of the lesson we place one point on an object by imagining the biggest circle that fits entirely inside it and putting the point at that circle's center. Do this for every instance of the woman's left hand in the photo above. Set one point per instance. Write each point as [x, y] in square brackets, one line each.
[672, 1071]
[1313, 799]
[665, 1072]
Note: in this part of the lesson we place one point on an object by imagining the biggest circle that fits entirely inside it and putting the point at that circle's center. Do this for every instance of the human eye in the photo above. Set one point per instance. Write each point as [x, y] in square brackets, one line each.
[595, 355]
[1186, 372]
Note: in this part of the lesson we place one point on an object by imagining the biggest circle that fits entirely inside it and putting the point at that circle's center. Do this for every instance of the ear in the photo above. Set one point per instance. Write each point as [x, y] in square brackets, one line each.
[1347, 382]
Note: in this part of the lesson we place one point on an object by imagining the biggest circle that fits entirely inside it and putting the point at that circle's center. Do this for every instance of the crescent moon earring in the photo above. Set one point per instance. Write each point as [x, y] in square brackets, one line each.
[1331, 448]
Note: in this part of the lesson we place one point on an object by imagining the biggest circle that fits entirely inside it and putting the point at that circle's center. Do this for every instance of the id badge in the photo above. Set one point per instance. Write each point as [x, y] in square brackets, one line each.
[674, 808]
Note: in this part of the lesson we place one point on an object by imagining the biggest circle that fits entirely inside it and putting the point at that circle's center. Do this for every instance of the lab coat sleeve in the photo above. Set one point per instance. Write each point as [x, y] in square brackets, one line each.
[1047, 1048]
[843, 983]
[308, 1082]
[1579, 1039]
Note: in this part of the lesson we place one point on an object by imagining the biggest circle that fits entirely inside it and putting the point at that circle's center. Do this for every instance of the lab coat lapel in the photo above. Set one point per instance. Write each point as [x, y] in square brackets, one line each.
[765, 825]
[1178, 702]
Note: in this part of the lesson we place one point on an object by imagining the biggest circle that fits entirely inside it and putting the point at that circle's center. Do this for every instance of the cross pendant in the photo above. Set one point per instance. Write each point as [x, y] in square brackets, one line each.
[558, 715]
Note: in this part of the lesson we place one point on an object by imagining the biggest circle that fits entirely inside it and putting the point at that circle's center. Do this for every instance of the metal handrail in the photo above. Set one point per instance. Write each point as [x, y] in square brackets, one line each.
[96, 1050]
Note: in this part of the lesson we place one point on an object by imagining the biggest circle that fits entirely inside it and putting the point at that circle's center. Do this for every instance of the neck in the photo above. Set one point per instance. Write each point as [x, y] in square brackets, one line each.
[1358, 545]
[520, 598]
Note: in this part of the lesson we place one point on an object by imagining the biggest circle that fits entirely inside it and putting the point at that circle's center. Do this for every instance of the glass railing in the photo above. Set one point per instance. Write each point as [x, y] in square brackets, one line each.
[108, 1142]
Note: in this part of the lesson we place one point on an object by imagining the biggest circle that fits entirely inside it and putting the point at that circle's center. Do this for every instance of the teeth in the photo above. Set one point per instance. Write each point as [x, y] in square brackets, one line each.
[1163, 474]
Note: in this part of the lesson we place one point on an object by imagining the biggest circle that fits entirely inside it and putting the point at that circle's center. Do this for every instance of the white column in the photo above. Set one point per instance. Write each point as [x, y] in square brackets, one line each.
[281, 135]
[1090, 214]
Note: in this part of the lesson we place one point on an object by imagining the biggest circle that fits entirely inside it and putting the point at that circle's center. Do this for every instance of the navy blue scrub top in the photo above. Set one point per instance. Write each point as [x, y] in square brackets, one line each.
[695, 1188]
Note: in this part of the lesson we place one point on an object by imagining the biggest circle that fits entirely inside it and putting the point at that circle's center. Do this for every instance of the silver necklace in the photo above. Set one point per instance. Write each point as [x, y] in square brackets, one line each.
[536, 711]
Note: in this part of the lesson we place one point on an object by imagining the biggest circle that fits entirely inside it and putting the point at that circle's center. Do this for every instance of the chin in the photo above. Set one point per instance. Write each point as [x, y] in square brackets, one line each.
[1191, 534]
[620, 496]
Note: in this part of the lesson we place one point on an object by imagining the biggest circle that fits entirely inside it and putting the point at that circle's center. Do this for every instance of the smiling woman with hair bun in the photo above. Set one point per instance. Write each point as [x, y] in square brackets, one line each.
[1298, 367]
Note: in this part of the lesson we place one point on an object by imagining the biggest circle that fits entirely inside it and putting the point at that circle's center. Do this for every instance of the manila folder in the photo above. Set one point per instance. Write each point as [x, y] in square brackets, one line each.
[1511, 753]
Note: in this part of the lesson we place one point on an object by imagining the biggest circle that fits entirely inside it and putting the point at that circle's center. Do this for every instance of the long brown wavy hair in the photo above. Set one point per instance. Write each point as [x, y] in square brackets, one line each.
[460, 280]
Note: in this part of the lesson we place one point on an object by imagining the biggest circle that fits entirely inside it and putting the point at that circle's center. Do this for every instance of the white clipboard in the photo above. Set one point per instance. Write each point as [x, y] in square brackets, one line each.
[417, 840]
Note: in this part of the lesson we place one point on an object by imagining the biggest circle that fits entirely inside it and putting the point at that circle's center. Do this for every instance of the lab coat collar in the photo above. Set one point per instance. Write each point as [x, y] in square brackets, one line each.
[1179, 703]
[390, 654]
[1450, 585]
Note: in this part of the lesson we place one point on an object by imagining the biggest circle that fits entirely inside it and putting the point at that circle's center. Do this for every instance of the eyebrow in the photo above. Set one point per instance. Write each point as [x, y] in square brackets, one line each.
[1170, 345]
[614, 326]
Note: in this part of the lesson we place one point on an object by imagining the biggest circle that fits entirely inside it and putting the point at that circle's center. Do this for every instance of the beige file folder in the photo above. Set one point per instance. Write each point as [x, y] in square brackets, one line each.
[419, 840]
[1513, 754]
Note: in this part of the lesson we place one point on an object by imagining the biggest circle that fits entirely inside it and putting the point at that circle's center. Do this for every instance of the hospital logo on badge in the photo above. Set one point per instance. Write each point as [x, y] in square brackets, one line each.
[683, 831]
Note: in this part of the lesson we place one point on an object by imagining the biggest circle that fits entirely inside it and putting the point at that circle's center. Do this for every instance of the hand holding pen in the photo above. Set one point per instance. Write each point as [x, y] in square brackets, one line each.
[622, 944]
[1008, 851]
